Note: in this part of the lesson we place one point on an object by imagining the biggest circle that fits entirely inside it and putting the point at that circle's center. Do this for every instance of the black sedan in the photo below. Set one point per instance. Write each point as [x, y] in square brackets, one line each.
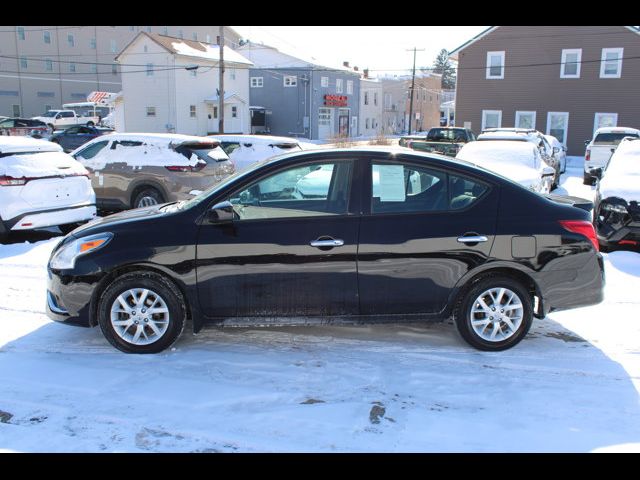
[344, 235]
[73, 137]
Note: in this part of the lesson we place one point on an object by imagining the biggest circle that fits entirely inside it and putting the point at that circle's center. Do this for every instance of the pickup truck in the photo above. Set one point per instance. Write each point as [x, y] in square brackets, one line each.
[57, 119]
[600, 148]
[445, 140]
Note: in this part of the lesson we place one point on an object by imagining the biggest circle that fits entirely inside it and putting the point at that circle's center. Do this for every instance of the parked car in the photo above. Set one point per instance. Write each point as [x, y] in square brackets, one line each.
[617, 209]
[600, 148]
[547, 152]
[41, 186]
[56, 119]
[73, 137]
[438, 238]
[447, 140]
[245, 150]
[519, 161]
[560, 153]
[131, 170]
[24, 127]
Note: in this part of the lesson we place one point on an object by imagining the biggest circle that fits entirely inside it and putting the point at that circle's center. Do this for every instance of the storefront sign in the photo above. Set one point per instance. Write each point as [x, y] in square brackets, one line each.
[335, 100]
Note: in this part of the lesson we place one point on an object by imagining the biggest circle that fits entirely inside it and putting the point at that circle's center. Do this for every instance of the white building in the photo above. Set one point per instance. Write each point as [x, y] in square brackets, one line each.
[370, 107]
[172, 85]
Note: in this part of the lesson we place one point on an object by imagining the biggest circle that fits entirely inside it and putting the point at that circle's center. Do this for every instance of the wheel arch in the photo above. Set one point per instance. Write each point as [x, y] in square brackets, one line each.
[138, 186]
[519, 275]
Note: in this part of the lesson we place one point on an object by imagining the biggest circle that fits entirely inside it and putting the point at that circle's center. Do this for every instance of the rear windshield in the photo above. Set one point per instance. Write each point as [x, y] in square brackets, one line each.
[285, 146]
[209, 155]
[446, 135]
[612, 138]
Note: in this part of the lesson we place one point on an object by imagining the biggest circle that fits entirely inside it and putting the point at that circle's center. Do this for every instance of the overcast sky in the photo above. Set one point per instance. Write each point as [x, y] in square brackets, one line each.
[378, 48]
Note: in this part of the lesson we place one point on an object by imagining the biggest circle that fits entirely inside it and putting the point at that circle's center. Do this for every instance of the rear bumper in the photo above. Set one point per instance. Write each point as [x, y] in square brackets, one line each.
[52, 217]
[629, 234]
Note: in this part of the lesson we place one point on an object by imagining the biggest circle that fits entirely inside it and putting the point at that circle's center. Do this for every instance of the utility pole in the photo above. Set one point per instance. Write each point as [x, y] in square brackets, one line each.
[413, 82]
[221, 94]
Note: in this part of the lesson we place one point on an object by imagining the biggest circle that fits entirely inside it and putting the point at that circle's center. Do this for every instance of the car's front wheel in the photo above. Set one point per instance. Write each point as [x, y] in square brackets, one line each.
[141, 312]
[494, 314]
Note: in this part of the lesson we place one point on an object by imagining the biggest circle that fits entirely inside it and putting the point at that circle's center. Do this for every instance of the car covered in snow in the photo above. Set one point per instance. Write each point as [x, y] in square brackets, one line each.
[354, 235]
[617, 204]
[519, 161]
[245, 150]
[600, 148]
[131, 170]
[41, 186]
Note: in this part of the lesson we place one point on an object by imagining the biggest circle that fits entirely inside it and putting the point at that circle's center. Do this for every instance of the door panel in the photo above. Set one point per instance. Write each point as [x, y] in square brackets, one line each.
[409, 262]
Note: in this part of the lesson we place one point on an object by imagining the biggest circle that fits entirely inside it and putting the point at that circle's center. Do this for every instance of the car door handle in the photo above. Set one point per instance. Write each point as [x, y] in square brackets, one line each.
[472, 239]
[327, 242]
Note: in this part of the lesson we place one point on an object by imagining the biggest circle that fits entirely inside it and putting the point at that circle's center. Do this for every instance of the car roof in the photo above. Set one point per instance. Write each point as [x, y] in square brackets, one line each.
[263, 139]
[617, 130]
[507, 135]
[17, 144]
[157, 138]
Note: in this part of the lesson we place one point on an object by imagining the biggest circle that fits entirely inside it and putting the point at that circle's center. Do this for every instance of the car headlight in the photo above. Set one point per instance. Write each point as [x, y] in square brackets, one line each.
[65, 257]
[614, 207]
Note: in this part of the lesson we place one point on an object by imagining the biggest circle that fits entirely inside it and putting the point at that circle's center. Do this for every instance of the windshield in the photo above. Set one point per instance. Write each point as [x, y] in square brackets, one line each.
[612, 138]
[445, 135]
[50, 113]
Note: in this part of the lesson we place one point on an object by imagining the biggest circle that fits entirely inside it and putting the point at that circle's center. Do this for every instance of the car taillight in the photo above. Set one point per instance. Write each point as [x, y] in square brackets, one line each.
[186, 168]
[7, 181]
[582, 227]
[587, 155]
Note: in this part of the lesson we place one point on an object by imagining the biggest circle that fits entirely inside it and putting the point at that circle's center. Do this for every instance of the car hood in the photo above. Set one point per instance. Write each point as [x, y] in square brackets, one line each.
[104, 223]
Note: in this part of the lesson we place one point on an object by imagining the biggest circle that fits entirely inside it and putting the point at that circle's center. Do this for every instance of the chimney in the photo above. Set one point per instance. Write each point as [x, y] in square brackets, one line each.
[345, 64]
[366, 72]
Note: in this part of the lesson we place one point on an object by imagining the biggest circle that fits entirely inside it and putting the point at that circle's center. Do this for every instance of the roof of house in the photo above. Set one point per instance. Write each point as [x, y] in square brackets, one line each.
[455, 51]
[190, 48]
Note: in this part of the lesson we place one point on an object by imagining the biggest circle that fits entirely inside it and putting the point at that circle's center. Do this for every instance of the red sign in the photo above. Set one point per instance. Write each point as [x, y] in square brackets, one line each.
[335, 100]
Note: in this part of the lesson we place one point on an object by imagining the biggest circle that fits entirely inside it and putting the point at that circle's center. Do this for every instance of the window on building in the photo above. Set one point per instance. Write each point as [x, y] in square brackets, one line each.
[557, 123]
[195, 36]
[366, 99]
[94, 68]
[605, 120]
[132, 28]
[387, 101]
[611, 63]
[72, 67]
[570, 63]
[234, 112]
[180, 34]
[23, 62]
[349, 87]
[148, 29]
[165, 30]
[367, 124]
[48, 65]
[338, 85]
[290, 81]
[208, 38]
[114, 46]
[46, 36]
[215, 112]
[71, 40]
[92, 43]
[151, 111]
[495, 65]
[149, 69]
[192, 111]
[114, 69]
[20, 31]
[525, 119]
[16, 110]
[375, 98]
[257, 82]
[491, 119]
[324, 82]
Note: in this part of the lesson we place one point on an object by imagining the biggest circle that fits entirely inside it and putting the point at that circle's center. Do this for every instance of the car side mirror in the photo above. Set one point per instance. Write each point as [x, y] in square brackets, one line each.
[221, 213]
[548, 172]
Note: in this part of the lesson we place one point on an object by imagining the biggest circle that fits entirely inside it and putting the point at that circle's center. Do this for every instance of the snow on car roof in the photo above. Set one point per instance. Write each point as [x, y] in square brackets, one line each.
[254, 138]
[622, 176]
[499, 151]
[505, 135]
[10, 144]
[157, 138]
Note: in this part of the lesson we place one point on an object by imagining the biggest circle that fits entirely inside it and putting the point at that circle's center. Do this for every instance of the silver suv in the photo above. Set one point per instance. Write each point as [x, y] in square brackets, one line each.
[131, 170]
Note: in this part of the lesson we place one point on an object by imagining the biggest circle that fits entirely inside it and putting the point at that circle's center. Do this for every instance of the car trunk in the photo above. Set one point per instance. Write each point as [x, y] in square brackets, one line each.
[578, 202]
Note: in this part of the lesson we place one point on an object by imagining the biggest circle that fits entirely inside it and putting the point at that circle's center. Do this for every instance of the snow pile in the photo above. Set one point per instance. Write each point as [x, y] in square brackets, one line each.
[622, 176]
[40, 164]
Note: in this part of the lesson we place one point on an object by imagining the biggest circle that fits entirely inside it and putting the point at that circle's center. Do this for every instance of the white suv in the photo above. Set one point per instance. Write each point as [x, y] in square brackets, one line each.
[599, 150]
[41, 186]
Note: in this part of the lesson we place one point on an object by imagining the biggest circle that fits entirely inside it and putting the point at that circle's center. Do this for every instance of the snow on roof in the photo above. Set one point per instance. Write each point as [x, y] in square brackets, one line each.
[10, 144]
[265, 56]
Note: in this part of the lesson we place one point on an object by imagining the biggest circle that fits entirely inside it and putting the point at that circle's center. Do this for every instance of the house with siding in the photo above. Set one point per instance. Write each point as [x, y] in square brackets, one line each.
[565, 81]
[370, 106]
[301, 97]
[171, 85]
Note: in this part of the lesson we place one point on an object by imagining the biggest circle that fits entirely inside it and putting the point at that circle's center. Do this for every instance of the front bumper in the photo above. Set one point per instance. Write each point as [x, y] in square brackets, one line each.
[68, 300]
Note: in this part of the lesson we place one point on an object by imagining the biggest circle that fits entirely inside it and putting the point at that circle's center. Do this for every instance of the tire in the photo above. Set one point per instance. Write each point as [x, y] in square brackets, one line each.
[146, 197]
[520, 317]
[154, 332]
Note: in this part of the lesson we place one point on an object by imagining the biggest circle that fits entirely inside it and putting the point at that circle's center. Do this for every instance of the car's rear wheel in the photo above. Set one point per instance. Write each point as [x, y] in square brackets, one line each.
[147, 197]
[494, 314]
[141, 312]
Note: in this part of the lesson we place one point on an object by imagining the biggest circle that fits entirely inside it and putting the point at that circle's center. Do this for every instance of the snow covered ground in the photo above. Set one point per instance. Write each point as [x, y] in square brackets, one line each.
[571, 385]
